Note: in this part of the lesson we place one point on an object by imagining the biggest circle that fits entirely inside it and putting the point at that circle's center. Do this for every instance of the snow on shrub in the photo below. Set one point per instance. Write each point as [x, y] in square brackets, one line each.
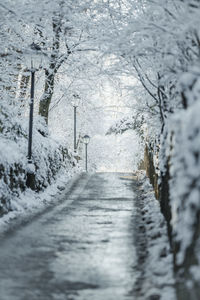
[184, 153]
[49, 157]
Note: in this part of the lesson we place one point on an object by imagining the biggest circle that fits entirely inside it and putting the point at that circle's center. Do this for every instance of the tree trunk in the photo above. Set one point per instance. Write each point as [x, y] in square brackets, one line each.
[165, 200]
[50, 73]
[150, 169]
[47, 95]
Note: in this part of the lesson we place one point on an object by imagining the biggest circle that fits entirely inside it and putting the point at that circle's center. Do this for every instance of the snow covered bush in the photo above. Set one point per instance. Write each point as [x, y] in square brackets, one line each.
[133, 122]
[29, 38]
[184, 183]
[49, 157]
[160, 44]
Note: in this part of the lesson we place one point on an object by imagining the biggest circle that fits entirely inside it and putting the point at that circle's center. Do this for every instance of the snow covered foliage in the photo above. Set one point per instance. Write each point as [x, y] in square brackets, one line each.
[157, 280]
[115, 153]
[179, 99]
[49, 158]
[131, 122]
[184, 153]
[185, 175]
[125, 137]
[159, 42]
[29, 37]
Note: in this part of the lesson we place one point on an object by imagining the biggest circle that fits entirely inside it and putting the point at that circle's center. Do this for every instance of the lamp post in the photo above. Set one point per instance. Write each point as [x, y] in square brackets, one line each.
[34, 51]
[31, 169]
[30, 136]
[75, 104]
[86, 140]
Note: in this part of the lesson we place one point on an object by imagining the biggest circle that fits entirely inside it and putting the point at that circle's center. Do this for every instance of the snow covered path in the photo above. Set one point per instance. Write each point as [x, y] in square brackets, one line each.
[81, 249]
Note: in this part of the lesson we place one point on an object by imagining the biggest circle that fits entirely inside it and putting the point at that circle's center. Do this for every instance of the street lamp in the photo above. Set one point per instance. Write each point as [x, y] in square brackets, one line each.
[31, 169]
[86, 140]
[33, 52]
[75, 103]
[32, 70]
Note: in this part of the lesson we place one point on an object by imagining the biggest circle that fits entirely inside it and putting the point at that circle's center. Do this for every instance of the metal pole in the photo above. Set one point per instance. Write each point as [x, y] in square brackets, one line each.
[86, 157]
[31, 116]
[74, 128]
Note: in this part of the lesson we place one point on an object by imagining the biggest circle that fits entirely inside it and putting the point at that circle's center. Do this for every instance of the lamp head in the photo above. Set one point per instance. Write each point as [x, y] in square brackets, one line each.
[86, 139]
[34, 58]
[75, 100]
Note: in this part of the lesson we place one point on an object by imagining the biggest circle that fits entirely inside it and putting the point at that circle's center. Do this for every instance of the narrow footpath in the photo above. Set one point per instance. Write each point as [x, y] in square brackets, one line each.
[105, 240]
[81, 249]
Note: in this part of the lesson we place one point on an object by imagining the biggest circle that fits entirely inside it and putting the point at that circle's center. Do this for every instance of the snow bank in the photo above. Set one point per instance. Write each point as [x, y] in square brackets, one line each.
[181, 148]
[30, 203]
[49, 158]
[158, 281]
[185, 177]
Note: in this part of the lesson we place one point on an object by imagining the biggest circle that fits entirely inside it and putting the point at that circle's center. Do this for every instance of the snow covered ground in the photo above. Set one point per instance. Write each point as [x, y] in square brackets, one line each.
[156, 280]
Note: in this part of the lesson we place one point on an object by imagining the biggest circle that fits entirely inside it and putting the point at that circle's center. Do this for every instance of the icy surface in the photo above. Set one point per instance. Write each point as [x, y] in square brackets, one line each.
[30, 203]
[82, 249]
[85, 247]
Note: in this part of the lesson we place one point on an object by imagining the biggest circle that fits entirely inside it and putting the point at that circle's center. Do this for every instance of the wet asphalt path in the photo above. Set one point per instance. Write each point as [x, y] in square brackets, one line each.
[82, 249]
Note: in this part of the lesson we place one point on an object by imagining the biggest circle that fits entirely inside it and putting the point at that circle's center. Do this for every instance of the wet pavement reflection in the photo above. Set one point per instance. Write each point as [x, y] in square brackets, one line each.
[81, 249]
